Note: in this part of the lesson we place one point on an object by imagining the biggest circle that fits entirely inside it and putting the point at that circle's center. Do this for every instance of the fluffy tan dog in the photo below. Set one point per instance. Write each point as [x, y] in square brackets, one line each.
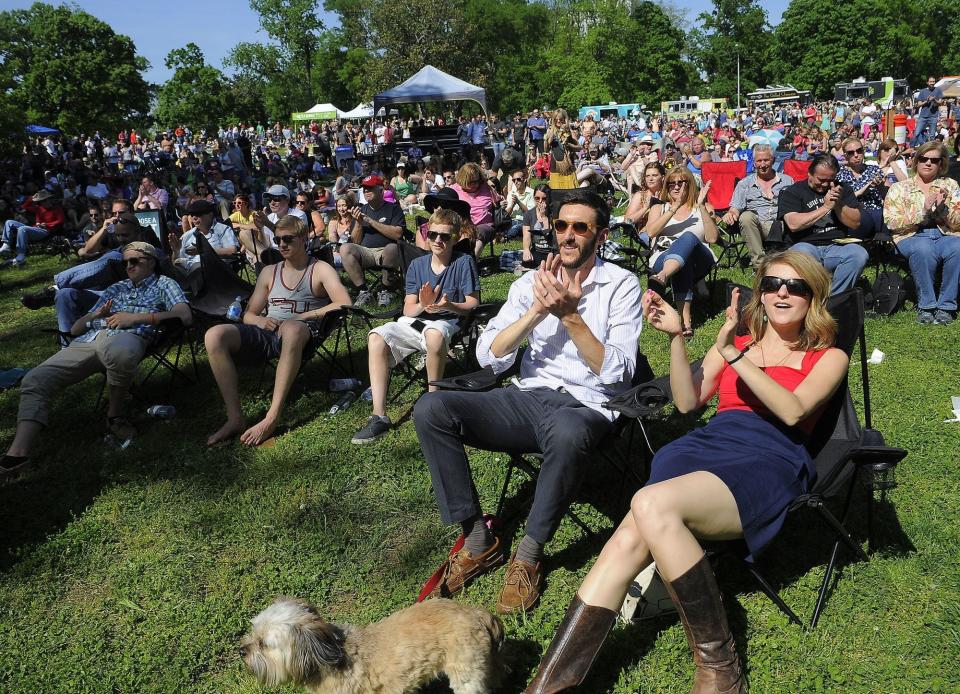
[290, 642]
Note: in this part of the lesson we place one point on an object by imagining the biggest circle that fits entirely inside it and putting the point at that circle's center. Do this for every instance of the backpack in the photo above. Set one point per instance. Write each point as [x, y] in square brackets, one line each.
[888, 293]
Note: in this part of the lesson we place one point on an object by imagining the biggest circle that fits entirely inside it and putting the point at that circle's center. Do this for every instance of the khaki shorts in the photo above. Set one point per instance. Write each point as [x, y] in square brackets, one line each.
[369, 257]
[404, 339]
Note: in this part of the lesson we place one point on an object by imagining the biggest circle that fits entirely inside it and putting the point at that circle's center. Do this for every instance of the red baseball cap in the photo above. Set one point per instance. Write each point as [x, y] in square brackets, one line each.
[371, 181]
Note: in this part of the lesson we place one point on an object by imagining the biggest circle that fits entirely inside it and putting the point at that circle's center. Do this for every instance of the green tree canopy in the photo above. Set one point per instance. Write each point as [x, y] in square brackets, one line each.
[65, 68]
[196, 93]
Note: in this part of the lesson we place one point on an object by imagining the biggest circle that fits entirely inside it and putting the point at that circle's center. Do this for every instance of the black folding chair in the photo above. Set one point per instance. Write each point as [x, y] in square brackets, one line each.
[529, 463]
[844, 453]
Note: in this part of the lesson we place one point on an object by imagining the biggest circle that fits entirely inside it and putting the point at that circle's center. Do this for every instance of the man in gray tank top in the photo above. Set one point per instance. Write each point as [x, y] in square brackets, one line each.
[280, 323]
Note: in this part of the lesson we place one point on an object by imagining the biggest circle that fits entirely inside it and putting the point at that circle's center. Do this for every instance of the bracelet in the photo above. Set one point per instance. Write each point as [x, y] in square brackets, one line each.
[737, 358]
[153, 319]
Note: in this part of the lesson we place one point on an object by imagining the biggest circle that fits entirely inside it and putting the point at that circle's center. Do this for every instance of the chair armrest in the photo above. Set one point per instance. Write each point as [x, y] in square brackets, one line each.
[392, 314]
[484, 379]
[641, 401]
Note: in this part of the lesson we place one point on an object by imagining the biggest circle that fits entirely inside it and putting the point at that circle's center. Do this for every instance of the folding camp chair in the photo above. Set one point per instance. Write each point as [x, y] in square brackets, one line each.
[529, 463]
[797, 169]
[843, 451]
[723, 176]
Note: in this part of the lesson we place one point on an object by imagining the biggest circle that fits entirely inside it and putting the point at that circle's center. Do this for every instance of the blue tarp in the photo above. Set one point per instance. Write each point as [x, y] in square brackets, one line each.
[41, 130]
[430, 84]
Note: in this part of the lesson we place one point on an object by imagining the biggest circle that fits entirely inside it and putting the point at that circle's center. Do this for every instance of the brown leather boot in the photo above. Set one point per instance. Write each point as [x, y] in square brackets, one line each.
[574, 648]
[697, 597]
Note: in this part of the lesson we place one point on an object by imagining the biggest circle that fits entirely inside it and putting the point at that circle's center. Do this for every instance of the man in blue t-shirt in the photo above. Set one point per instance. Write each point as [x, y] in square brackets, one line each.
[536, 130]
[928, 101]
[441, 288]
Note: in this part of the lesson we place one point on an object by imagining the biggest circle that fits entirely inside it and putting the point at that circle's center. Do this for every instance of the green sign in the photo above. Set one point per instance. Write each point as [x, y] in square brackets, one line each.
[313, 115]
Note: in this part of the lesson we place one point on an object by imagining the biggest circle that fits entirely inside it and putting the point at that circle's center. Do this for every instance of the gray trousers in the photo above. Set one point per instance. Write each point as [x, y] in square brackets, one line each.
[510, 420]
[119, 355]
[754, 233]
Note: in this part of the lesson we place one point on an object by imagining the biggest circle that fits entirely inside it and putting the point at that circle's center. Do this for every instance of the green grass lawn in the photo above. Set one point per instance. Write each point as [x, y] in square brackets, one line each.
[138, 570]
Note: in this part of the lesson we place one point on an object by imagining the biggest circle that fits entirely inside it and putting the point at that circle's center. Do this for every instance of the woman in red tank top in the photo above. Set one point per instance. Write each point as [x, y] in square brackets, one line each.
[731, 479]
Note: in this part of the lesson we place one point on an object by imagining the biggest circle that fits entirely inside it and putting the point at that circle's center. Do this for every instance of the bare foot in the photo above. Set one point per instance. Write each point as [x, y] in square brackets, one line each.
[228, 431]
[259, 432]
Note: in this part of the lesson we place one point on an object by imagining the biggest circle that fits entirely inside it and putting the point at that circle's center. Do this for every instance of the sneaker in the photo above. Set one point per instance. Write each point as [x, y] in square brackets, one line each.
[384, 298]
[376, 427]
[942, 317]
[121, 427]
[363, 298]
[5, 250]
[18, 262]
[40, 299]
[926, 317]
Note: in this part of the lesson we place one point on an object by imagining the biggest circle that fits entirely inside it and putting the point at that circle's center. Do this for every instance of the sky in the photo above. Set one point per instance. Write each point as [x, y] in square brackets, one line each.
[218, 25]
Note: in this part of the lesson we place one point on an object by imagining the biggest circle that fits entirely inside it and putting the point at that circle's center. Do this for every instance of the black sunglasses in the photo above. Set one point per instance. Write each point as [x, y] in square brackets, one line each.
[284, 239]
[929, 160]
[434, 235]
[133, 262]
[519, 179]
[795, 287]
[851, 152]
[579, 228]
[303, 202]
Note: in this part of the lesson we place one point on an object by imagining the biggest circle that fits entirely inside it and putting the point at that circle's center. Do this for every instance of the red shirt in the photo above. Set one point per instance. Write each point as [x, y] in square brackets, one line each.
[735, 395]
[52, 218]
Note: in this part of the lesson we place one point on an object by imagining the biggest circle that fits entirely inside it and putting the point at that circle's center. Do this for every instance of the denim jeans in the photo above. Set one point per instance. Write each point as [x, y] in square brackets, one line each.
[515, 230]
[96, 274]
[923, 122]
[18, 234]
[846, 262]
[695, 262]
[71, 304]
[497, 148]
[925, 251]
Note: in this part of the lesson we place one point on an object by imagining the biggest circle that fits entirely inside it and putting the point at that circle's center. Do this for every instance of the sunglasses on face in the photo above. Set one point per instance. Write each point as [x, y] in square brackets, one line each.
[434, 235]
[284, 239]
[851, 152]
[579, 228]
[795, 287]
[134, 262]
[519, 179]
[303, 202]
[928, 160]
[675, 184]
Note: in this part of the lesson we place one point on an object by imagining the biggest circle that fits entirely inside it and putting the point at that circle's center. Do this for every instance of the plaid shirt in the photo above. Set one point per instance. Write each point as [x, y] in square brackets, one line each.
[155, 294]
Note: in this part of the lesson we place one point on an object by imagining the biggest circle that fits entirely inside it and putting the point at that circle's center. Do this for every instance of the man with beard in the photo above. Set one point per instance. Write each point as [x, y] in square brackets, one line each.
[581, 318]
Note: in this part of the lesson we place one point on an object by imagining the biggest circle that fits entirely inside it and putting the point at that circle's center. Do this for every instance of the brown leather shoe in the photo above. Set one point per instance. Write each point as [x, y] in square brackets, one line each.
[462, 568]
[521, 587]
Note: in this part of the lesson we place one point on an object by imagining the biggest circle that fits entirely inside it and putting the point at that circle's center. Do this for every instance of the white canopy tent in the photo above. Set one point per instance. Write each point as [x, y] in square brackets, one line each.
[950, 86]
[431, 84]
[359, 111]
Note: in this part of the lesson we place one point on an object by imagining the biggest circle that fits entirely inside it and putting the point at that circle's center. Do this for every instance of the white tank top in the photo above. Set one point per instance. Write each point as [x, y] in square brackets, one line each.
[285, 302]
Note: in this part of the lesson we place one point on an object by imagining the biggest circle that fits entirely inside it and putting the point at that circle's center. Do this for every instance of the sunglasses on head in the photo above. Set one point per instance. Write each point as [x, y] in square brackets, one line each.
[284, 239]
[579, 228]
[851, 152]
[928, 160]
[443, 236]
[133, 262]
[795, 287]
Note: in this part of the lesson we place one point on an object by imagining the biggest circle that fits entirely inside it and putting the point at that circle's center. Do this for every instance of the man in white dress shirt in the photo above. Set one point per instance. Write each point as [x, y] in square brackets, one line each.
[581, 318]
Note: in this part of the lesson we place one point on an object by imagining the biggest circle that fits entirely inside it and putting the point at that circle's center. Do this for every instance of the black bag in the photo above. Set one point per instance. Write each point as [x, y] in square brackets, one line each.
[889, 291]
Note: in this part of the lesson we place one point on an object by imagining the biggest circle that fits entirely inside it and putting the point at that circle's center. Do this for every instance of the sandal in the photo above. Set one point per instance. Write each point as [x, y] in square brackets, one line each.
[10, 465]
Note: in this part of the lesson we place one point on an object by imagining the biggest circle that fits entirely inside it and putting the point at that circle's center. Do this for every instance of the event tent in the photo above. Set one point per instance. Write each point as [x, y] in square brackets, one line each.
[40, 130]
[318, 112]
[950, 86]
[359, 111]
[431, 84]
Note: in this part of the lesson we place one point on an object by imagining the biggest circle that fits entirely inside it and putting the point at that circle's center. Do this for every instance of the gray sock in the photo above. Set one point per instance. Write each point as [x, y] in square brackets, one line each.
[477, 537]
[529, 550]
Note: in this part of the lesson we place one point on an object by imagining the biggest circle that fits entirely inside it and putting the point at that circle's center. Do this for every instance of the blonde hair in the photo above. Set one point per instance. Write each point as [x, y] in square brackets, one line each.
[850, 141]
[448, 218]
[819, 329]
[693, 189]
[469, 173]
[929, 147]
[295, 225]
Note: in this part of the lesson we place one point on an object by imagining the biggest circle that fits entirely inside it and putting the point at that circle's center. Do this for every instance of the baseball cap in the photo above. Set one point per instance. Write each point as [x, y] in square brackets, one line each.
[199, 207]
[142, 247]
[372, 181]
[278, 191]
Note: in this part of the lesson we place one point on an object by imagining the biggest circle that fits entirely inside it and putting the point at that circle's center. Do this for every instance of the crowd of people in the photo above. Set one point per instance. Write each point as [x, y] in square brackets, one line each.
[256, 196]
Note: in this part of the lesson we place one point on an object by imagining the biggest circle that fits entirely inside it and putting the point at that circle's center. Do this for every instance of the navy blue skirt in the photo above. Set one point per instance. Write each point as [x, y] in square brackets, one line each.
[764, 464]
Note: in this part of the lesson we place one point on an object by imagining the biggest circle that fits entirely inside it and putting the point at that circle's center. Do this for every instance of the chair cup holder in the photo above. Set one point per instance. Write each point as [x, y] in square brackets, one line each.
[878, 476]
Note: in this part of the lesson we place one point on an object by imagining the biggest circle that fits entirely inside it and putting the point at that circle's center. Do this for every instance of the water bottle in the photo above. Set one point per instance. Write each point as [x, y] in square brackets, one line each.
[162, 411]
[344, 402]
[97, 324]
[338, 385]
[368, 395]
[235, 310]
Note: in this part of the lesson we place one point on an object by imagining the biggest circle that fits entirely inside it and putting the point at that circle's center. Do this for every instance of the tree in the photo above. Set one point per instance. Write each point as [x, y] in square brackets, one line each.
[65, 68]
[820, 43]
[733, 29]
[297, 27]
[197, 94]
